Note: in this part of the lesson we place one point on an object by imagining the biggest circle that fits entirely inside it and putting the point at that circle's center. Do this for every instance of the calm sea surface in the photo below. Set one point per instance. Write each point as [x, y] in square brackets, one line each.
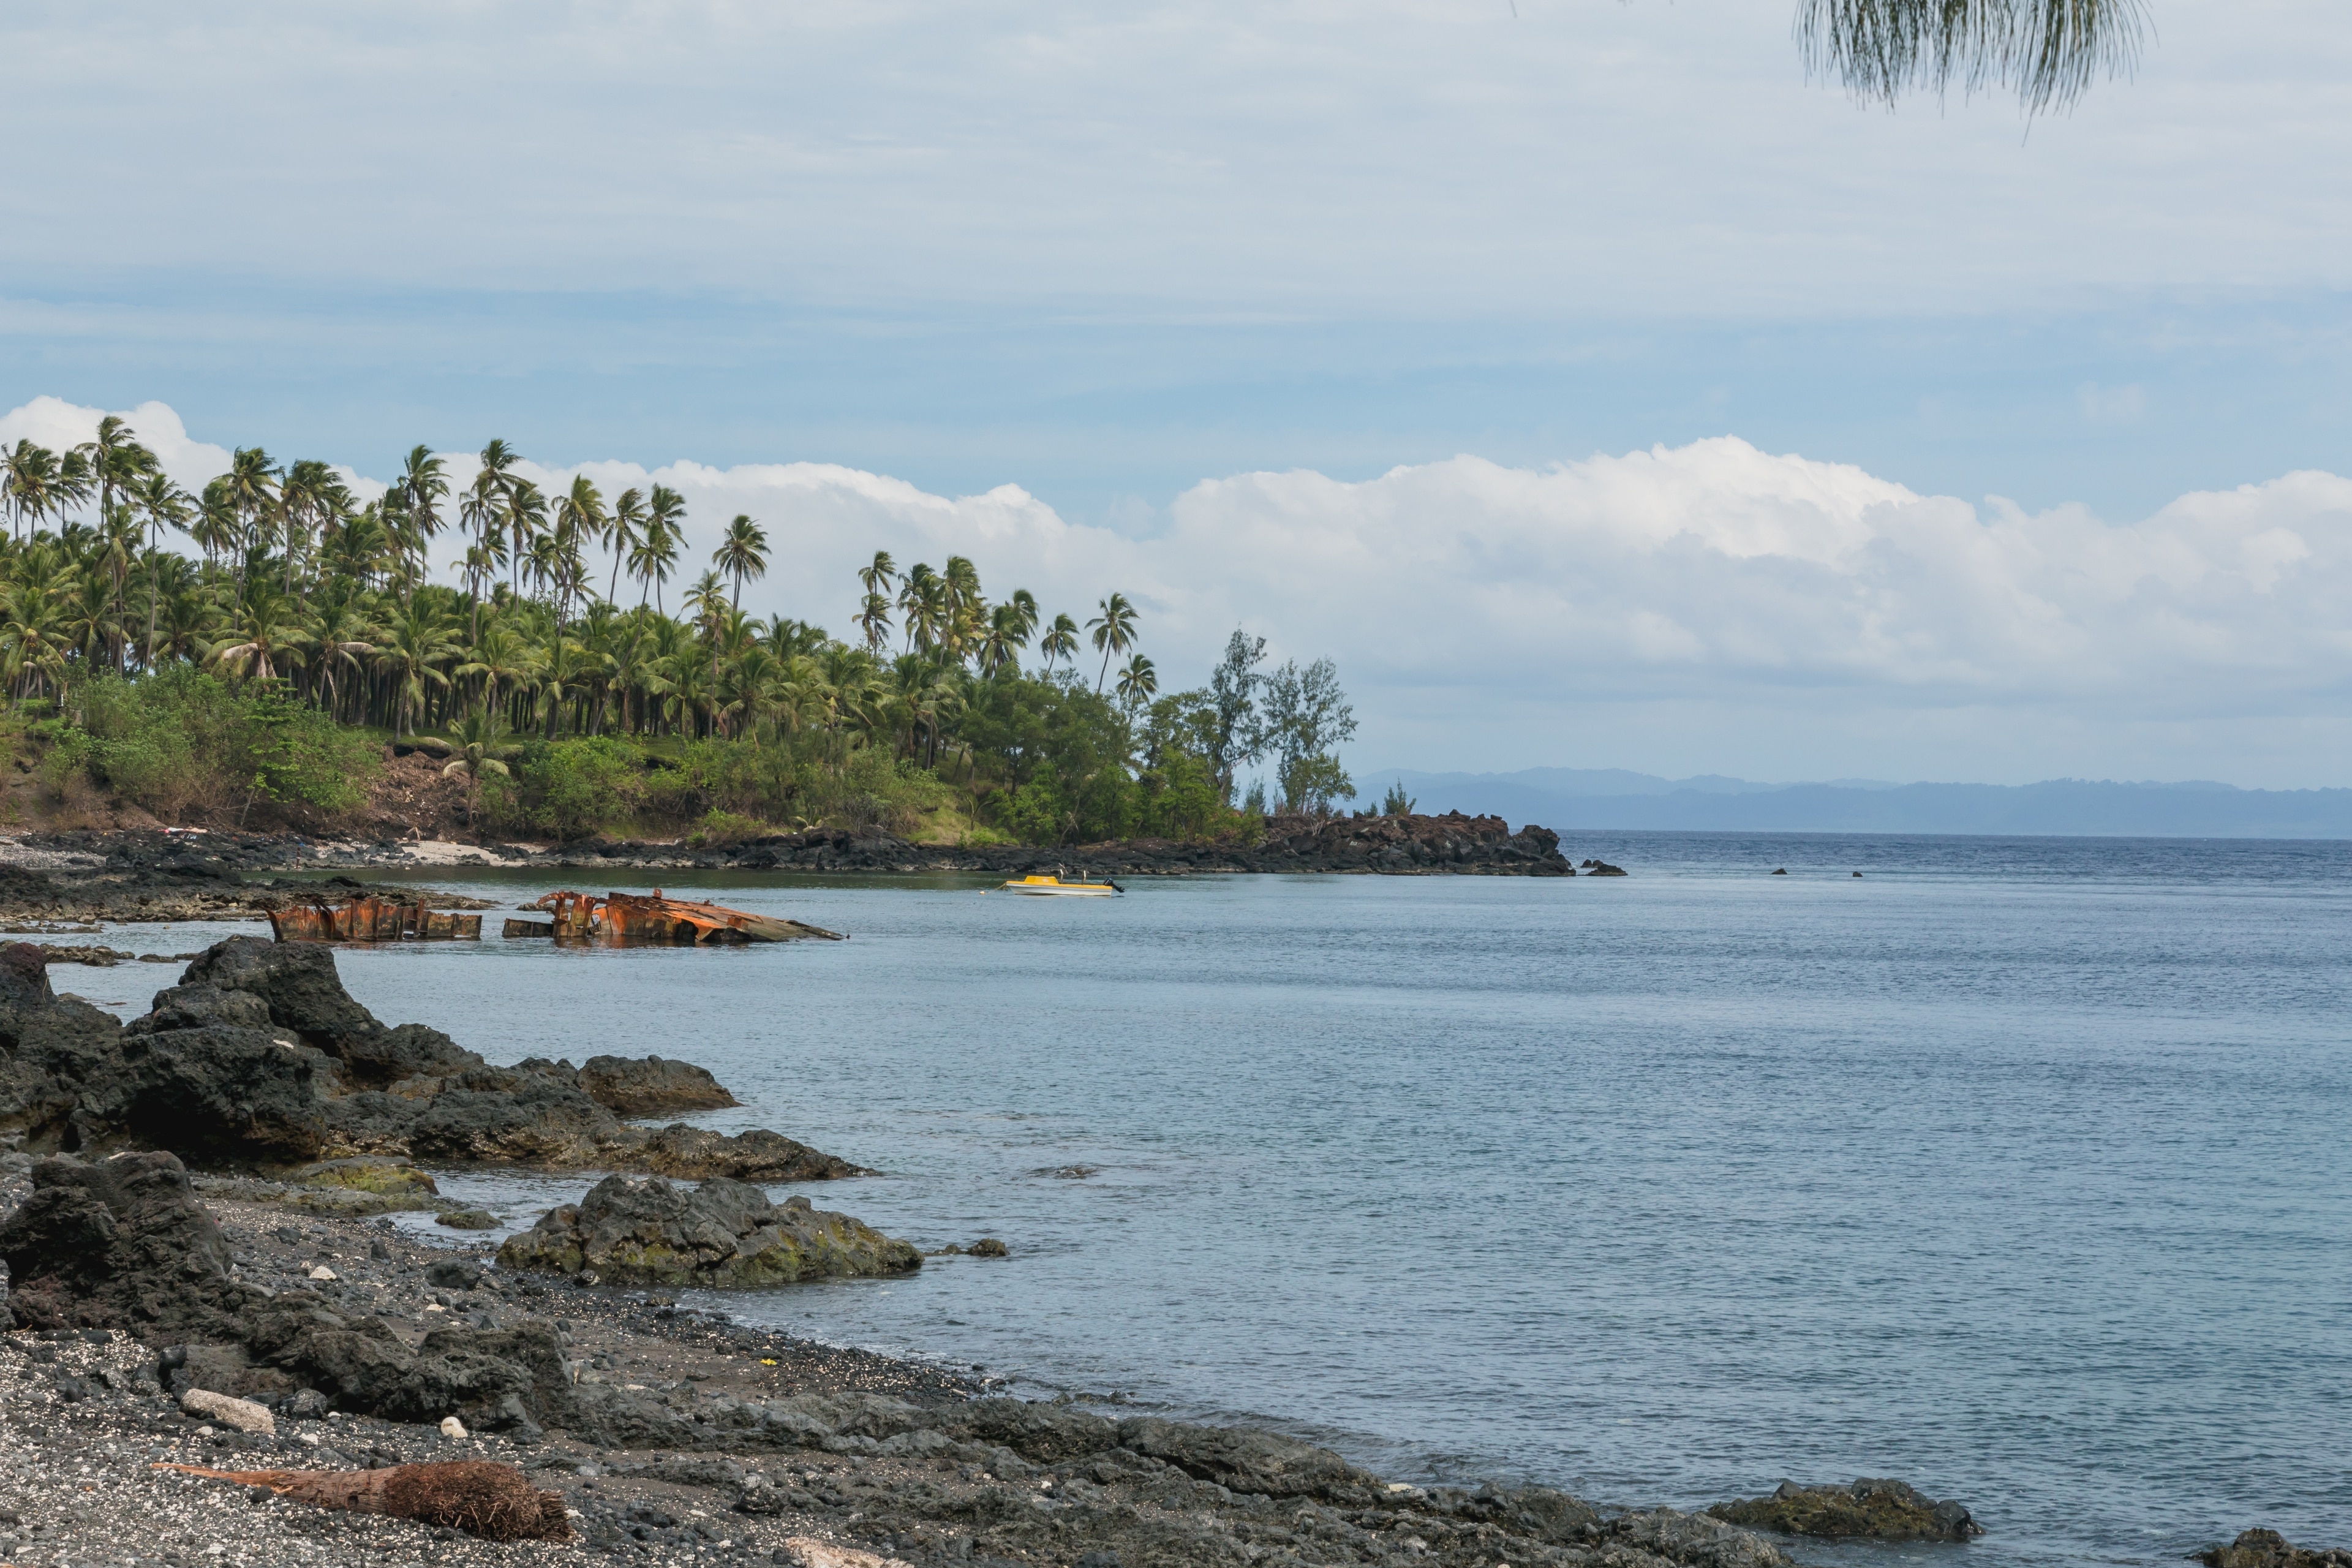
[2019, 1169]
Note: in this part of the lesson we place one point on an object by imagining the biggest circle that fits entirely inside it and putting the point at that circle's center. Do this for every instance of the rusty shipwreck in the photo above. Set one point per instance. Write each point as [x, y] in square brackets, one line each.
[653, 917]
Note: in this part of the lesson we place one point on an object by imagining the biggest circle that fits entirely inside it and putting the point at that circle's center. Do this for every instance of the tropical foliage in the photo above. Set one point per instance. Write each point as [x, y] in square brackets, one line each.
[304, 630]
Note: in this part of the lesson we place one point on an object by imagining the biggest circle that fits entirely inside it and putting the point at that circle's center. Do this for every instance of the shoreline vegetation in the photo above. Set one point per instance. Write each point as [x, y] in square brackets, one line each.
[303, 672]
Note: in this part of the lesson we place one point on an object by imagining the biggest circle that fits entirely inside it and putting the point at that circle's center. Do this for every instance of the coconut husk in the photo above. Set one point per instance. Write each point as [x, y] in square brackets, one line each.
[482, 1497]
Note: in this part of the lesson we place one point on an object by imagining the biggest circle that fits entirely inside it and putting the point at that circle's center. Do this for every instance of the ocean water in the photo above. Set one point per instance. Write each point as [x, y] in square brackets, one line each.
[2017, 1169]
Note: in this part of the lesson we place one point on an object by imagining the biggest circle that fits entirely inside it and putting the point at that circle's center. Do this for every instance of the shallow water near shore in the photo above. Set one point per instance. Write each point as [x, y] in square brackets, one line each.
[2014, 1168]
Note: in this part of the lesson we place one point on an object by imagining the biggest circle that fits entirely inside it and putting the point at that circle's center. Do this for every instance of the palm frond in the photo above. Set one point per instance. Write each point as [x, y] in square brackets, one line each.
[2046, 51]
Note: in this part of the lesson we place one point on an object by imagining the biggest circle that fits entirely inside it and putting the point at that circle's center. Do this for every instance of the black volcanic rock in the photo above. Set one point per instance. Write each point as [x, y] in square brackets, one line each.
[120, 1244]
[258, 1059]
[1867, 1509]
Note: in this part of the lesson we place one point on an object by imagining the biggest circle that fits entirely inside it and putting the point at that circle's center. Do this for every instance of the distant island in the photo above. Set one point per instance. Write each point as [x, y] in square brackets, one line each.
[1588, 799]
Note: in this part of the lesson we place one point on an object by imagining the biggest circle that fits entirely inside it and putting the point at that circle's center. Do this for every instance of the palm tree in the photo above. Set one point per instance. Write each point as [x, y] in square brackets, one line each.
[622, 530]
[664, 527]
[525, 519]
[1060, 641]
[916, 598]
[266, 638]
[476, 735]
[339, 628]
[880, 573]
[1138, 681]
[35, 642]
[1007, 635]
[424, 486]
[499, 656]
[743, 553]
[116, 460]
[2047, 51]
[706, 601]
[1114, 631]
[118, 548]
[413, 648]
[27, 476]
[166, 505]
[251, 489]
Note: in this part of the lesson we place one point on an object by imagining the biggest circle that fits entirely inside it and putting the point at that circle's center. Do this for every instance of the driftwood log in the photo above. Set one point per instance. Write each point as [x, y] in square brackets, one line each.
[480, 1496]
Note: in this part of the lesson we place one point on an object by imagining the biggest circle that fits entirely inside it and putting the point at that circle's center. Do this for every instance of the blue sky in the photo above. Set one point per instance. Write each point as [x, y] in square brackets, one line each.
[1110, 255]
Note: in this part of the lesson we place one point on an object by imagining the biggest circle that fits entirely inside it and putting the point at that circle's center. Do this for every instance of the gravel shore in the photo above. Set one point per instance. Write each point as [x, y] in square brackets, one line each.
[784, 1451]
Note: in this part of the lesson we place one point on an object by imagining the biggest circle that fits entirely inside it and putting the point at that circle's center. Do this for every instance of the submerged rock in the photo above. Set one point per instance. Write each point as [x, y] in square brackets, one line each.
[725, 1234]
[1871, 1510]
[2269, 1549]
[259, 1060]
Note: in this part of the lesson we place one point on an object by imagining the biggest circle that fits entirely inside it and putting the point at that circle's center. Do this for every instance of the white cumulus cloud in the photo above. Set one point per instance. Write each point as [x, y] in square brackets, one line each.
[1706, 605]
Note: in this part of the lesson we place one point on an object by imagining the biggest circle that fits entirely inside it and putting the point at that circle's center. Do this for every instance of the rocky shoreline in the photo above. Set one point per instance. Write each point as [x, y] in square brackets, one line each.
[151, 876]
[192, 1363]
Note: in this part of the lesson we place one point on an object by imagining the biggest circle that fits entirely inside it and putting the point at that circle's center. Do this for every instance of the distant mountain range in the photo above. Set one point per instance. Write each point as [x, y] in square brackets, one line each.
[1594, 799]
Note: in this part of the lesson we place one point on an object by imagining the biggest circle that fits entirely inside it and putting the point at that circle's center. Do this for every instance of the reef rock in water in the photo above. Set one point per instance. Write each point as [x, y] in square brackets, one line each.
[1868, 1509]
[725, 1234]
[2269, 1549]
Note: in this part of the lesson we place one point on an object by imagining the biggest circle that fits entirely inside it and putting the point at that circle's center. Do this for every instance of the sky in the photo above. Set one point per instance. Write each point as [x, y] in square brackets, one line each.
[1594, 388]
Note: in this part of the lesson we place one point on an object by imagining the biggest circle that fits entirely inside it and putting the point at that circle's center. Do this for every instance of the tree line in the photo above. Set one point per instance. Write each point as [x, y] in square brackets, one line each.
[568, 705]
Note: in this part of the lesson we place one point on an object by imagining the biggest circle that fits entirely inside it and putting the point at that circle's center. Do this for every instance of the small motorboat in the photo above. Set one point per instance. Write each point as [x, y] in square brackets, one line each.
[1055, 887]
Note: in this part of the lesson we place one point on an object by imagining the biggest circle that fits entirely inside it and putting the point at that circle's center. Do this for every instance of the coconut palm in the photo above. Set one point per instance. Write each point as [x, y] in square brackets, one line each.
[265, 640]
[423, 485]
[115, 458]
[1060, 641]
[1007, 635]
[664, 527]
[498, 657]
[1138, 681]
[522, 517]
[33, 644]
[249, 488]
[339, 628]
[622, 530]
[27, 476]
[413, 648]
[166, 505]
[1114, 631]
[476, 734]
[2046, 51]
[743, 553]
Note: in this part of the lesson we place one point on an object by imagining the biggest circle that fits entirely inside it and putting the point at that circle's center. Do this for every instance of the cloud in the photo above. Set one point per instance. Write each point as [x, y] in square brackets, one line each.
[1475, 608]
[1408, 159]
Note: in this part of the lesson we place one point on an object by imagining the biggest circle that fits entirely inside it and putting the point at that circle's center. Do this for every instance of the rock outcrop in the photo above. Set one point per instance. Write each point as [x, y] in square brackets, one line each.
[1452, 843]
[258, 1059]
[723, 1234]
[149, 875]
[2269, 1549]
[121, 1244]
[650, 1086]
[1867, 1509]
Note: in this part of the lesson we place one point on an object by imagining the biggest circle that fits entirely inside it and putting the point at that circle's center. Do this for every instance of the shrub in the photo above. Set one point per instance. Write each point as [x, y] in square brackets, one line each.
[718, 828]
[570, 788]
[180, 741]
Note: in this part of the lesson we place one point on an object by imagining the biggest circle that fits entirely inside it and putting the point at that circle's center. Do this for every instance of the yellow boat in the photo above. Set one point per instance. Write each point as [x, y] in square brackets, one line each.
[1054, 887]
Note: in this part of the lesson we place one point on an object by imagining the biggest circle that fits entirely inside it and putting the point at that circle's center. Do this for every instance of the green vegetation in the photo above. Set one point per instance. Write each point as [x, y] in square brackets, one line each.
[273, 668]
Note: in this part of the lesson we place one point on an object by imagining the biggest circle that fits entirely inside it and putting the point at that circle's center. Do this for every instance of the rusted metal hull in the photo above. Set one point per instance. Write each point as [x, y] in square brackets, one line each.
[636, 918]
[370, 918]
